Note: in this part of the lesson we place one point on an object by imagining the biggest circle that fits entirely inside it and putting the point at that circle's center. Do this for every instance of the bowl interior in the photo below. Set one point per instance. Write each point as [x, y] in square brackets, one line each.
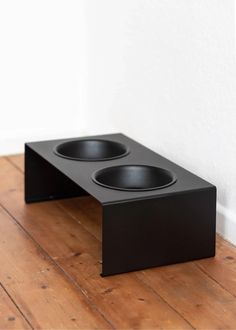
[134, 177]
[91, 150]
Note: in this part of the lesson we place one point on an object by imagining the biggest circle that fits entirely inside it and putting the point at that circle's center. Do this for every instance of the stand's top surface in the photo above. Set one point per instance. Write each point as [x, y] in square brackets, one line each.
[80, 172]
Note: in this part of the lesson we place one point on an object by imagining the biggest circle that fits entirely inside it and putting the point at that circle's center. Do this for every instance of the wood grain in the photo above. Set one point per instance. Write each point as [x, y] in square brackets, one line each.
[39, 288]
[202, 301]
[10, 316]
[222, 268]
[17, 161]
[77, 252]
[198, 294]
[205, 296]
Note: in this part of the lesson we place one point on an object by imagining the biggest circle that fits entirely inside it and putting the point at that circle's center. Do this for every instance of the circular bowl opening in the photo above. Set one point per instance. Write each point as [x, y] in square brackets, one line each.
[91, 150]
[134, 177]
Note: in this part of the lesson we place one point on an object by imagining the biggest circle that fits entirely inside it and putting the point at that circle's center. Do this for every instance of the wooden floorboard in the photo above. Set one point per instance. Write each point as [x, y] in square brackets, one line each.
[10, 316]
[207, 294]
[77, 252]
[222, 268]
[65, 236]
[38, 287]
[17, 161]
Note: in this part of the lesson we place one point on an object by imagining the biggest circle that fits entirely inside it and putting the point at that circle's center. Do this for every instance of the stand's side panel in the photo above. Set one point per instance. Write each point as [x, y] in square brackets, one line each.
[44, 182]
[158, 231]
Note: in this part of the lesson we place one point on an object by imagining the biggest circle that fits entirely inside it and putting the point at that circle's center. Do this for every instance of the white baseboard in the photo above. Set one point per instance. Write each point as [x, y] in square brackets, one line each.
[226, 223]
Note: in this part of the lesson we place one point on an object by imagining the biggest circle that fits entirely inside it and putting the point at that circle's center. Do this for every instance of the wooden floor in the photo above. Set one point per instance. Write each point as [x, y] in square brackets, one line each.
[50, 265]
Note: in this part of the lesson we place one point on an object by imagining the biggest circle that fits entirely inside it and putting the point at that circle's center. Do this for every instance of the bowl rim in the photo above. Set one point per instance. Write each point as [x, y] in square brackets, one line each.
[170, 172]
[126, 148]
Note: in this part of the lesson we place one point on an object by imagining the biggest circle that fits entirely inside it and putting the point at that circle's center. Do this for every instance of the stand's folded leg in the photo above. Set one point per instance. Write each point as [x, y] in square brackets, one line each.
[44, 182]
[158, 231]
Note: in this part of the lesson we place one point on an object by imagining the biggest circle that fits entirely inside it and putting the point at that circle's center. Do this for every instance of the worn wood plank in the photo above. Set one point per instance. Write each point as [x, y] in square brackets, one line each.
[222, 268]
[39, 288]
[124, 300]
[10, 316]
[196, 296]
[185, 287]
[17, 161]
[206, 287]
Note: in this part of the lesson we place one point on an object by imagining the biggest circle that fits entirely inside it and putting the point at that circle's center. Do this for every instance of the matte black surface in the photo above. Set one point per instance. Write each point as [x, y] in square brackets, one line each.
[160, 231]
[140, 228]
[80, 172]
[134, 177]
[91, 150]
[44, 182]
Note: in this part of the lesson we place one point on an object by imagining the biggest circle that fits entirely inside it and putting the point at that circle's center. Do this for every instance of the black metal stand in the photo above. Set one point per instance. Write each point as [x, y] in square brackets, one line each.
[167, 217]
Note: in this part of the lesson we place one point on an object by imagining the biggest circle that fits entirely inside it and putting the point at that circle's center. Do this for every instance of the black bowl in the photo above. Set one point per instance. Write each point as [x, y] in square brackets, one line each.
[91, 150]
[134, 177]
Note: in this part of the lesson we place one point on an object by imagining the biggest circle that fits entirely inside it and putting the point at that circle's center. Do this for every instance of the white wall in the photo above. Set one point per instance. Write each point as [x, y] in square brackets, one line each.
[163, 72]
[42, 78]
